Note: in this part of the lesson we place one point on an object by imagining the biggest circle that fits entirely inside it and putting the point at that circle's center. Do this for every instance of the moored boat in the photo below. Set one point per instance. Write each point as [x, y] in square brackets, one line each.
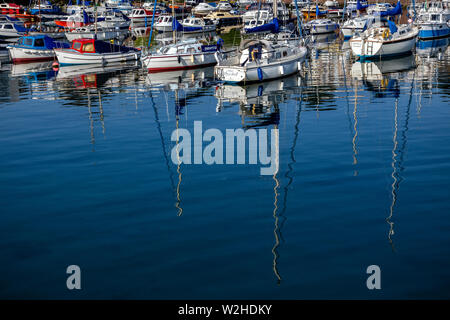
[186, 54]
[90, 51]
[259, 60]
[433, 25]
[34, 48]
[383, 42]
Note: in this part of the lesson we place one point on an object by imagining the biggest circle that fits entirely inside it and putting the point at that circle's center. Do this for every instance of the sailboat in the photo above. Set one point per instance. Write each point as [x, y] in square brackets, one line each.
[258, 60]
[184, 54]
[383, 42]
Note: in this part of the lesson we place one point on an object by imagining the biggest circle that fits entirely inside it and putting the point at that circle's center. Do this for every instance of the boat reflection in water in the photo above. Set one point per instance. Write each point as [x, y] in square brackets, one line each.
[259, 102]
[186, 85]
[382, 76]
[36, 70]
[180, 80]
[259, 107]
[429, 49]
[321, 42]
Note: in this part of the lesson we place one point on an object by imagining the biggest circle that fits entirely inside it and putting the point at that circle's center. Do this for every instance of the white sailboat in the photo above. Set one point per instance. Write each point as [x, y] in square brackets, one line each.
[258, 60]
[184, 54]
[383, 42]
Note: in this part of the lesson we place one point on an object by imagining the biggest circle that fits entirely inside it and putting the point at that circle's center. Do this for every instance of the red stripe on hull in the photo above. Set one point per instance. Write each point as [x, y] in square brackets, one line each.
[26, 60]
[156, 70]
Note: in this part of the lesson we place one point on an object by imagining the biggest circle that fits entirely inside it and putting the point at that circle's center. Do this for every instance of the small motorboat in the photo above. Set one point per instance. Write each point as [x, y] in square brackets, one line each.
[193, 24]
[433, 25]
[11, 32]
[34, 48]
[359, 24]
[321, 26]
[141, 15]
[91, 51]
[224, 6]
[203, 9]
[99, 33]
[186, 54]
[164, 23]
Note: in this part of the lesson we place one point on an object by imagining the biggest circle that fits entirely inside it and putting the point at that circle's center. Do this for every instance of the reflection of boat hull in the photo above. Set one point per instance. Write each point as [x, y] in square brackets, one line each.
[376, 69]
[77, 70]
[163, 63]
[67, 57]
[181, 79]
[431, 48]
[24, 55]
[29, 68]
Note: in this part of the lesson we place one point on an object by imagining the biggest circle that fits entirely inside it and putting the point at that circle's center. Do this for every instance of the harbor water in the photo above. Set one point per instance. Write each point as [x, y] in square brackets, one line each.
[87, 179]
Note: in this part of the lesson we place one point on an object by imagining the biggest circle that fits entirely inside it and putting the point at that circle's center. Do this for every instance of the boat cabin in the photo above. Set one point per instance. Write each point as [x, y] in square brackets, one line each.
[10, 8]
[97, 46]
[12, 27]
[41, 42]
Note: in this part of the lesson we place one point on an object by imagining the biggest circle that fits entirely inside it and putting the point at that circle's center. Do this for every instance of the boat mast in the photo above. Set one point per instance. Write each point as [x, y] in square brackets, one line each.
[174, 32]
[95, 25]
[40, 17]
[275, 8]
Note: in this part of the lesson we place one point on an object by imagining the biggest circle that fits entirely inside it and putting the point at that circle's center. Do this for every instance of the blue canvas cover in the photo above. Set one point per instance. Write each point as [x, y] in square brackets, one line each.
[273, 27]
[394, 12]
[42, 42]
[359, 6]
[392, 27]
[106, 47]
[176, 26]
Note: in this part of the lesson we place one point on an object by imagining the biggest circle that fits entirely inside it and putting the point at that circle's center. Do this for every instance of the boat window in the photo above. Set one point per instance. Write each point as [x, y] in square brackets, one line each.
[28, 41]
[7, 26]
[88, 47]
[180, 50]
[77, 45]
[39, 42]
[191, 50]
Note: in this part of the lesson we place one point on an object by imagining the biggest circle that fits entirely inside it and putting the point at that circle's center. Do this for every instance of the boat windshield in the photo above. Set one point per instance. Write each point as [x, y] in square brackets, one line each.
[77, 45]
[88, 47]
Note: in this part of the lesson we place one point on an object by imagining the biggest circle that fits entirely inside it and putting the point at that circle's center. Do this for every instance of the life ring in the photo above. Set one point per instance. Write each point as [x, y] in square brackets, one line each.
[386, 33]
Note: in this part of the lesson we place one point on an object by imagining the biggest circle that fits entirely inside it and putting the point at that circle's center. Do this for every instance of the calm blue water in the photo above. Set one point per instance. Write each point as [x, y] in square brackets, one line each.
[86, 178]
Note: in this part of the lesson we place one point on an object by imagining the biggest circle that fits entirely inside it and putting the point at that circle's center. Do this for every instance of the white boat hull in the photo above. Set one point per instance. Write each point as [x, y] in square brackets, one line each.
[323, 29]
[366, 48]
[161, 63]
[69, 57]
[260, 71]
[102, 35]
[163, 27]
[22, 55]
